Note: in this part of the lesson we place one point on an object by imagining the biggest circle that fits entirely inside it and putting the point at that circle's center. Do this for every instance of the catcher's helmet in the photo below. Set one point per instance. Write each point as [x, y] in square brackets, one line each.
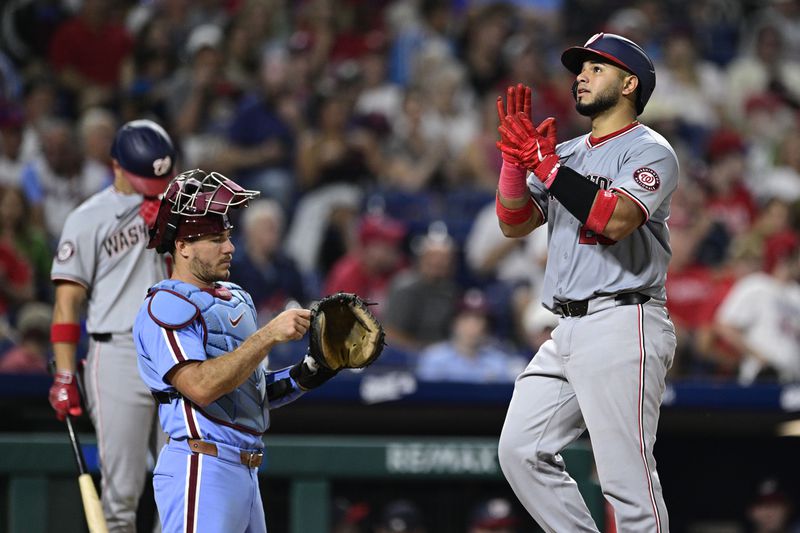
[620, 52]
[196, 203]
[146, 155]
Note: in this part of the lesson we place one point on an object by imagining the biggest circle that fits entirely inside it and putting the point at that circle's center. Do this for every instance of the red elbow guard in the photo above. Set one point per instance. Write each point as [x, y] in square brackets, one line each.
[512, 217]
[65, 332]
[602, 209]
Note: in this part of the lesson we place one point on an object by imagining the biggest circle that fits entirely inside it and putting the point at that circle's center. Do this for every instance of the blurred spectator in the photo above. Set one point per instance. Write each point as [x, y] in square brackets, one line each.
[31, 354]
[450, 113]
[765, 69]
[146, 72]
[770, 126]
[263, 266]
[760, 320]
[12, 124]
[771, 510]
[527, 55]
[335, 161]
[538, 323]
[487, 27]
[401, 516]
[16, 279]
[261, 136]
[689, 281]
[53, 183]
[369, 269]
[87, 52]
[689, 93]
[201, 99]
[20, 233]
[495, 515]
[471, 354]
[783, 179]
[716, 28]
[39, 105]
[414, 161]
[334, 151]
[480, 162]
[96, 128]
[713, 355]
[348, 517]
[378, 95]
[784, 16]
[511, 270]
[417, 33]
[422, 300]
[727, 200]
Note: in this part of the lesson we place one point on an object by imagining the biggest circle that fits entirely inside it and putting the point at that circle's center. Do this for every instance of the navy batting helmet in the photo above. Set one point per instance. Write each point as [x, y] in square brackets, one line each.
[620, 52]
[146, 155]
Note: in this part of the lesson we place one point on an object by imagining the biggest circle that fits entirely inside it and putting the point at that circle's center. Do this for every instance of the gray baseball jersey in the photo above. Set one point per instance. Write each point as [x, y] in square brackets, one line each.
[639, 164]
[103, 248]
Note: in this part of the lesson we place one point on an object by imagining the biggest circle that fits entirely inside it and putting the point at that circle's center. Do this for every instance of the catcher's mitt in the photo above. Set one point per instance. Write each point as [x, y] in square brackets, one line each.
[344, 333]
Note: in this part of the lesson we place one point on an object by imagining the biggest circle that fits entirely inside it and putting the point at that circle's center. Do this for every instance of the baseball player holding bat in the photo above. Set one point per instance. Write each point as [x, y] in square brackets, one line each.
[102, 259]
[606, 198]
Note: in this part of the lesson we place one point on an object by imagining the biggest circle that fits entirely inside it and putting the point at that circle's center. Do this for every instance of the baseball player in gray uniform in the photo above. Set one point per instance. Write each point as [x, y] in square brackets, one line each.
[606, 197]
[102, 258]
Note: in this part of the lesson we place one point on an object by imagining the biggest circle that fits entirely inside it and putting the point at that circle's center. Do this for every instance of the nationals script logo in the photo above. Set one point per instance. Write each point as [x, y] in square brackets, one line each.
[647, 178]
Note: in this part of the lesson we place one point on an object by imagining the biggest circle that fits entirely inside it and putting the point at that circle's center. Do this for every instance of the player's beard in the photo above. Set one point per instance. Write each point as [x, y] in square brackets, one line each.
[208, 272]
[603, 102]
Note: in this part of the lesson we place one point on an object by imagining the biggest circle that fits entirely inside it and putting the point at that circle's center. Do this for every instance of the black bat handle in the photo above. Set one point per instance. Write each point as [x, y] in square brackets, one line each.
[76, 447]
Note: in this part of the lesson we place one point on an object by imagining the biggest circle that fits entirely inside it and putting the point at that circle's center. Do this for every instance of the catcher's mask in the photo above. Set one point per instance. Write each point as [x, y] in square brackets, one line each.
[196, 203]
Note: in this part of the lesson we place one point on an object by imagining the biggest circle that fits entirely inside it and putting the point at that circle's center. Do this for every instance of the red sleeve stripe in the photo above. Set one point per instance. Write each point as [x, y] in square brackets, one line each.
[174, 345]
[636, 201]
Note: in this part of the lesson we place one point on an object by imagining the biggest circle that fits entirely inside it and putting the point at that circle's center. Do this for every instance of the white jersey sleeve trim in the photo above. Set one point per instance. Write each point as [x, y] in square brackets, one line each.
[635, 200]
[63, 277]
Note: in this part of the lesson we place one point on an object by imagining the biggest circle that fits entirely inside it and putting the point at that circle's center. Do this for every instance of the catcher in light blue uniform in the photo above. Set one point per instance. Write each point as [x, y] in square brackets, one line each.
[202, 356]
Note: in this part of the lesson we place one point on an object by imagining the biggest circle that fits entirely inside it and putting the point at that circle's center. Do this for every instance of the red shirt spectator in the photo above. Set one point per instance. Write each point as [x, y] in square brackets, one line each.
[728, 200]
[368, 270]
[92, 44]
[687, 292]
[16, 278]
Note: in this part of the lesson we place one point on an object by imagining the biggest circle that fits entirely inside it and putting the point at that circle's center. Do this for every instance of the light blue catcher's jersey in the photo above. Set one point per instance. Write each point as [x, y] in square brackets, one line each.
[179, 322]
[637, 163]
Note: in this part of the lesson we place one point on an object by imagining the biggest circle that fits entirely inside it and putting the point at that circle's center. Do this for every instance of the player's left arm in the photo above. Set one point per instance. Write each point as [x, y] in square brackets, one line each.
[647, 177]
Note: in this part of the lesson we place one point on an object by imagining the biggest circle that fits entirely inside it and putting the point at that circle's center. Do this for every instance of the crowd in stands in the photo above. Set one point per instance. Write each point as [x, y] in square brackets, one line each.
[369, 128]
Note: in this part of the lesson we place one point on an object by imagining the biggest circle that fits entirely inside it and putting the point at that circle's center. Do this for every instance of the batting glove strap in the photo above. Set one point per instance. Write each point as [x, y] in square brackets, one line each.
[548, 170]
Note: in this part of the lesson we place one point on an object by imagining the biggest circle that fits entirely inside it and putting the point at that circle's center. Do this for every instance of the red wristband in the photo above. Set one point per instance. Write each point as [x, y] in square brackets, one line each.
[602, 209]
[512, 182]
[512, 217]
[65, 332]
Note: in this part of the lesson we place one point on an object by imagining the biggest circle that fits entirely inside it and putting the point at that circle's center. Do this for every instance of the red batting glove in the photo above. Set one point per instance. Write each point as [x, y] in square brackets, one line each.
[535, 150]
[64, 396]
[518, 100]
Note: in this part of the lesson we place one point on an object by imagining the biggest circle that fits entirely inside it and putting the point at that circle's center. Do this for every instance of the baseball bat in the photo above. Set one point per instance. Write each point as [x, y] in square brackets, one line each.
[91, 502]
